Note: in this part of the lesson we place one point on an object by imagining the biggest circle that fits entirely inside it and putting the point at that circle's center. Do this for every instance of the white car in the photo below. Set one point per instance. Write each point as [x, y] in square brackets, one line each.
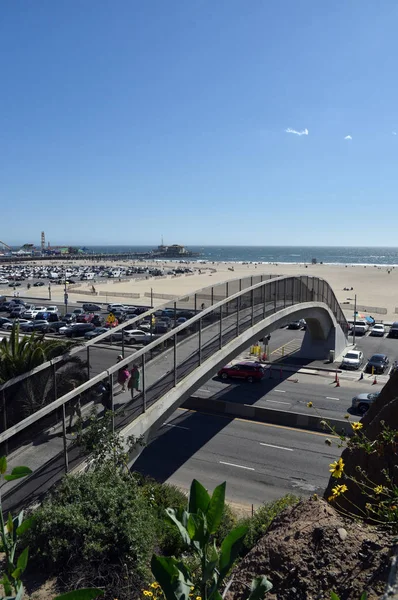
[52, 309]
[113, 307]
[378, 330]
[31, 314]
[133, 336]
[9, 326]
[40, 309]
[352, 360]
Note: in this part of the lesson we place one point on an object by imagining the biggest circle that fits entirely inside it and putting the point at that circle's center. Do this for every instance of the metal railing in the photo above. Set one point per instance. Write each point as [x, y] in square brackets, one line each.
[165, 362]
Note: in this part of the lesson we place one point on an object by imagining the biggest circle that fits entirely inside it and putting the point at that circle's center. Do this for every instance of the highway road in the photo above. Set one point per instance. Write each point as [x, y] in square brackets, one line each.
[259, 462]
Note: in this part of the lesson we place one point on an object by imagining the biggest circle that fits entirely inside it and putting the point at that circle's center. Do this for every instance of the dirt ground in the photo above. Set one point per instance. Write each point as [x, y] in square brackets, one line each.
[311, 550]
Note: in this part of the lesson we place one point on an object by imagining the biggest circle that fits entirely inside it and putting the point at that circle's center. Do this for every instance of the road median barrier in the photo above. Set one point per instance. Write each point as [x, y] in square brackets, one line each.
[267, 415]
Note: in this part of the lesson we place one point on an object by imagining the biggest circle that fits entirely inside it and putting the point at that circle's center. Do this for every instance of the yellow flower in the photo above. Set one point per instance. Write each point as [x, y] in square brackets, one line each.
[309, 405]
[315, 496]
[146, 593]
[339, 489]
[198, 598]
[155, 585]
[393, 507]
[379, 489]
[192, 588]
[337, 468]
[356, 426]
[368, 506]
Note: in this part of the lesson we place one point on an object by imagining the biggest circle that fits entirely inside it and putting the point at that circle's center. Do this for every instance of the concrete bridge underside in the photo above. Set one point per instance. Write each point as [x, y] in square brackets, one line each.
[322, 335]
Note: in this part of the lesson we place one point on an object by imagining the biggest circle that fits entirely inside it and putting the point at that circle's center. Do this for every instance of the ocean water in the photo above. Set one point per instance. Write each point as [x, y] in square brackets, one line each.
[279, 254]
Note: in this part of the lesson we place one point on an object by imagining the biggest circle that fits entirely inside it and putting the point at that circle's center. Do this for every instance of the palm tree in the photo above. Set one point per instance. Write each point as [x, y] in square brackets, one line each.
[21, 354]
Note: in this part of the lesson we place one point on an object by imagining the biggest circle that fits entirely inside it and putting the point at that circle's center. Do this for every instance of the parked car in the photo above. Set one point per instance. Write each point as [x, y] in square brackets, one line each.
[17, 311]
[360, 327]
[352, 360]
[68, 318]
[47, 316]
[79, 329]
[362, 402]
[38, 284]
[41, 308]
[4, 320]
[250, 371]
[95, 333]
[393, 333]
[112, 307]
[84, 318]
[14, 284]
[52, 309]
[133, 336]
[378, 363]
[37, 325]
[78, 311]
[55, 326]
[91, 308]
[378, 330]
[8, 326]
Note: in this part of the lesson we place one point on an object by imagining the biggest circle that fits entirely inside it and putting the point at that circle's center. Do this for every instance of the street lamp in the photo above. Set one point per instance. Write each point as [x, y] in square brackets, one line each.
[355, 318]
[49, 290]
[65, 295]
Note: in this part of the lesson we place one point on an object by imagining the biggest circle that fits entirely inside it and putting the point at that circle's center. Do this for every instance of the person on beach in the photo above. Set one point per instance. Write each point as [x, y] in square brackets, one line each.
[123, 375]
[134, 381]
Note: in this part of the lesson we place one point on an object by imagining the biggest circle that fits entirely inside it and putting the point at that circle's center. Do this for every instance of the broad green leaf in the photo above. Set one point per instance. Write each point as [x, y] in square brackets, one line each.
[27, 524]
[3, 465]
[216, 508]
[17, 573]
[198, 497]
[17, 473]
[172, 576]
[334, 596]
[23, 559]
[10, 523]
[364, 596]
[82, 594]
[215, 595]
[230, 549]
[211, 563]
[259, 587]
[6, 584]
[184, 533]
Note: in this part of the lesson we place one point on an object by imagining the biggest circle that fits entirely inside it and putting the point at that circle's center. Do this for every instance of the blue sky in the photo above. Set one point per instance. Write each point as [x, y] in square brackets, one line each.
[125, 120]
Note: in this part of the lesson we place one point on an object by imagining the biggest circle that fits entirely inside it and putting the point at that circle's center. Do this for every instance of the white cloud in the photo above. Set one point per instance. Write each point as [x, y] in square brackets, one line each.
[394, 133]
[303, 132]
[348, 137]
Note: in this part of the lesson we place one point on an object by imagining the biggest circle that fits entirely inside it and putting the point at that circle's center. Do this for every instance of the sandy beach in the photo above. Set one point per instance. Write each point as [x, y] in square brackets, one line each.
[375, 286]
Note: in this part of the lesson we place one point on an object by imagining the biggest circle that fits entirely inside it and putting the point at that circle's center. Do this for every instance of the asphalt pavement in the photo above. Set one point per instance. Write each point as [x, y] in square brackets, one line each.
[259, 462]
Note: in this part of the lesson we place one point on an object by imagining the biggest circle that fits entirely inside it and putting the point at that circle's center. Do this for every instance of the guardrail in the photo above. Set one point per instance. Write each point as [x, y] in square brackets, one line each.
[166, 361]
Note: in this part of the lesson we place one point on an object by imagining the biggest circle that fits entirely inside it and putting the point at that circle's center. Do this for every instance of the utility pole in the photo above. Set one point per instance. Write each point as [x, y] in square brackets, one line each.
[65, 294]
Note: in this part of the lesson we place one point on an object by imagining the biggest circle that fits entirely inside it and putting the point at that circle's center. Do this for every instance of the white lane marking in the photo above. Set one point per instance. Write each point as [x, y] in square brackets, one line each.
[331, 398]
[177, 426]
[279, 447]
[278, 402]
[233, 465]
[280, 391]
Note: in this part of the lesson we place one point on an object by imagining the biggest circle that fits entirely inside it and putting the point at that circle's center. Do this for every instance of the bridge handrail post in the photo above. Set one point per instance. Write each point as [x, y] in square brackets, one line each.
[175, 359]
[227, 296]
[200, 341]
[5, 420]
[88, 361]
[122, 343]
[112, 399]
[195, 304]
[220, 327]
[237, 316]
[175, 314]
[252, 301]
[212, 295]
[143, 383]
[64, 438]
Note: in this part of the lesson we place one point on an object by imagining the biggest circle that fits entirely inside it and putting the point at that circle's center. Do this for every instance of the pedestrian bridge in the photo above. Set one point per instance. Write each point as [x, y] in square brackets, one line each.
[179, 362]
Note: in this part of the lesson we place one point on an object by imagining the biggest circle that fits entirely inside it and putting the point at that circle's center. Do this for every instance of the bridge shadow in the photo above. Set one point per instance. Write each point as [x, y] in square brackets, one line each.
[176, 442]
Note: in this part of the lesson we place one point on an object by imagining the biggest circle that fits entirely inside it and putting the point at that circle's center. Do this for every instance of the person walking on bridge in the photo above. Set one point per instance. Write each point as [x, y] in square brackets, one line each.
[134, 381]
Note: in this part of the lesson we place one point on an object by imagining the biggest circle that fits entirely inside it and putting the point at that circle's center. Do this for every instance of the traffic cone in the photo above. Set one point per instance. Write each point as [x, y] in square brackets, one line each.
[337, 381]
[374, 380]
[336, 378]
[264, 356]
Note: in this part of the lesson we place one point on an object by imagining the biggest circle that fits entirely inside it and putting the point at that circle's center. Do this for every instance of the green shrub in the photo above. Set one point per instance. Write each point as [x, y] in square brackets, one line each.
[262, 519]
[96, 525]
[228, 523]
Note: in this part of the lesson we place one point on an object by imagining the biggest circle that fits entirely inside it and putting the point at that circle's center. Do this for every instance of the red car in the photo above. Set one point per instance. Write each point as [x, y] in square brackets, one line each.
[250, 371]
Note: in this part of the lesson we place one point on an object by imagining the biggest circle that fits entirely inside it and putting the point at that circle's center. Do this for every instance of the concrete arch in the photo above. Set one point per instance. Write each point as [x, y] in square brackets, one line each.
[323, 334]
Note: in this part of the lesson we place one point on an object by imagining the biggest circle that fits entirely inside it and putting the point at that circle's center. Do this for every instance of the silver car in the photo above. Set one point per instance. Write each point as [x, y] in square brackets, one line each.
[362, 402]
